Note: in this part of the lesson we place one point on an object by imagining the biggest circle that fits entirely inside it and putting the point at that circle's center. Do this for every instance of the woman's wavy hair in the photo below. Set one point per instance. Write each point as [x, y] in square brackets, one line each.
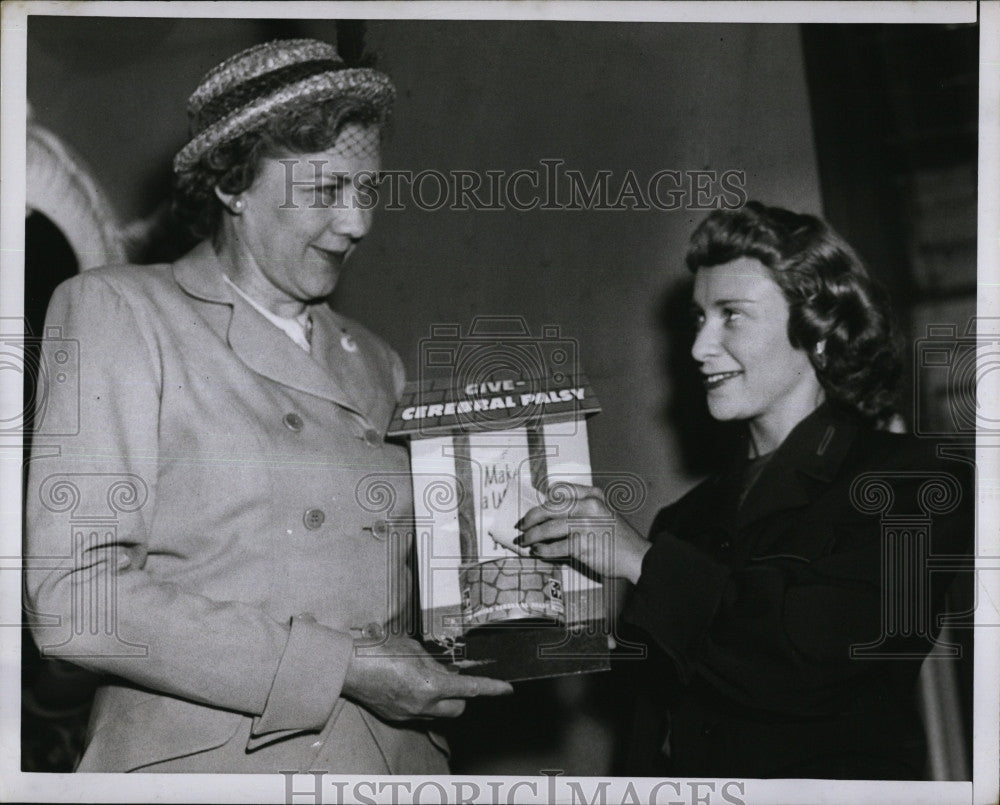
[232, 166]
[830, 295]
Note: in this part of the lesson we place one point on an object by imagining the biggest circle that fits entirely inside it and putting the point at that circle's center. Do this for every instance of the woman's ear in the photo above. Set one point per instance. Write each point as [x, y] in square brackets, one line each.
[232, 202]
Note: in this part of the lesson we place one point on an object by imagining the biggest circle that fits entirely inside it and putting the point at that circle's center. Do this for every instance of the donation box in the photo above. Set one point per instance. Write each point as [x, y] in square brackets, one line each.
[482, 455]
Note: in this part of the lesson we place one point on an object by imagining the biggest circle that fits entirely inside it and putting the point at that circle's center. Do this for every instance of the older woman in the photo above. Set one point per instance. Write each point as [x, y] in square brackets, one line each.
[204, 529]
[782, 645]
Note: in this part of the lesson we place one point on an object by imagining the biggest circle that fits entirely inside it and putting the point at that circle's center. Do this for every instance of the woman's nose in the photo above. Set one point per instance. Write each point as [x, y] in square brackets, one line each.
[706, 343]
[352, 220]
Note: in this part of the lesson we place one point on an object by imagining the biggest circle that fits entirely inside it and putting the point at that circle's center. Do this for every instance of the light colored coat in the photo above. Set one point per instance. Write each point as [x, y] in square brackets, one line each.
[213, 517]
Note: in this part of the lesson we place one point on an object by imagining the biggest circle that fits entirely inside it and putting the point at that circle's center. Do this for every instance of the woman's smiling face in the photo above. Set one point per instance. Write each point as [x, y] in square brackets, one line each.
[750, 369]
[302, 218]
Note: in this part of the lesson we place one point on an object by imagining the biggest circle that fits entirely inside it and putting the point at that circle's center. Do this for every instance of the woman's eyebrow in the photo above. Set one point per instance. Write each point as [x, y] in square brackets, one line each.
[733, 301]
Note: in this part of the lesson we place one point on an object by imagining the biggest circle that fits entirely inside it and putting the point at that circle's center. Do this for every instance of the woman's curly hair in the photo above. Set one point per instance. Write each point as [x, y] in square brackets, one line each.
[830, 295]
[232, 166]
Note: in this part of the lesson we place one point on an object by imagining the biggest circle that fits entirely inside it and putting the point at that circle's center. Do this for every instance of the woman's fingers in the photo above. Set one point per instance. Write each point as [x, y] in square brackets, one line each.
[534, 516]
[448, 708]
[586, 501]
[545, 531]
[557, 549]
[557, 530]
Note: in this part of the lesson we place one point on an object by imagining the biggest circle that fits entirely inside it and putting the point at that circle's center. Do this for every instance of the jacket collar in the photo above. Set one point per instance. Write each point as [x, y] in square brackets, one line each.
[199, 273]
[814, 450]
[255, 342]
[818, 445]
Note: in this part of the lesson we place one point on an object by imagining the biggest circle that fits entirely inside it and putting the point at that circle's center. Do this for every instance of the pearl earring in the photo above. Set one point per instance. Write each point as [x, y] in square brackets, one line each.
[820, 352]
[237, 205]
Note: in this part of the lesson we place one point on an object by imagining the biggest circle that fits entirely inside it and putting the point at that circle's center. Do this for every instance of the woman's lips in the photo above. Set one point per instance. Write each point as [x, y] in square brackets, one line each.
[331, 256]
[716, 379]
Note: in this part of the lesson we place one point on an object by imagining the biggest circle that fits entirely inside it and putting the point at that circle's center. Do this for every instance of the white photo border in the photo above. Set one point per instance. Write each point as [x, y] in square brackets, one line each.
[18, 786]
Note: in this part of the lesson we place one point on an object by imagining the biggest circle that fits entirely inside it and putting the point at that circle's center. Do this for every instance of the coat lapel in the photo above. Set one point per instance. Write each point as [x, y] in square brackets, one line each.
[260, 345]
[269, 352]
[349, 371]
[806, 461]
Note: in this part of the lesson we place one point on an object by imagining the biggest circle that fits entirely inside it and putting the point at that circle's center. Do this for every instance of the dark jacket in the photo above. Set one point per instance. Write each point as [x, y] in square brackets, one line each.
[787, 633]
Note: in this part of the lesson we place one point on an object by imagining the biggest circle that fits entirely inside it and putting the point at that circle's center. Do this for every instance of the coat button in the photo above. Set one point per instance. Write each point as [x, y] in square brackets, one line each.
[380, 529]
[313, 518]
[293, 422]
[373, 631]
[372, 437]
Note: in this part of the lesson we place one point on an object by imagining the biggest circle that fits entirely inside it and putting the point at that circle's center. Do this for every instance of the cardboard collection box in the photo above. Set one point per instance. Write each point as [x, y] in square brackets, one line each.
[482, 455]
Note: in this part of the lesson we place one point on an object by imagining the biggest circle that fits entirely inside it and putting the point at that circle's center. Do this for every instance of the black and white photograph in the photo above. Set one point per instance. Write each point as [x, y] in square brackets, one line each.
[489, 402]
